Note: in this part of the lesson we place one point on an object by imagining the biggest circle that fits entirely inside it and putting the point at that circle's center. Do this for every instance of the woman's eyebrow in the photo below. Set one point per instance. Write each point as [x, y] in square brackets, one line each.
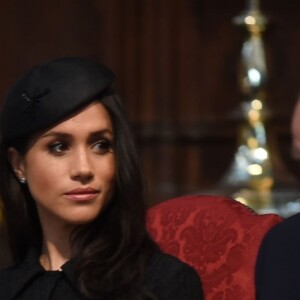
[56, 134]
[101, 133]
[94, 134]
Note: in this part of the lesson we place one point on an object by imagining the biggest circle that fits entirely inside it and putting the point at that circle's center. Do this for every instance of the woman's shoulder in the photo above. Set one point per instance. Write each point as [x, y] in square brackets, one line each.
[7, 272]
[170, 278]
[16, 276]
[7, 276]
[172, 264]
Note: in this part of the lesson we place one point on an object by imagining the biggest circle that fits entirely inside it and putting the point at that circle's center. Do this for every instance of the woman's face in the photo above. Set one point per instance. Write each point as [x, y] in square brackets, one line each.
[70, 169]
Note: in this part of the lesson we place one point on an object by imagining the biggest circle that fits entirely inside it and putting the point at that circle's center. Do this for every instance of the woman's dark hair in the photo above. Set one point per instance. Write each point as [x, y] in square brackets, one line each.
[111, 253]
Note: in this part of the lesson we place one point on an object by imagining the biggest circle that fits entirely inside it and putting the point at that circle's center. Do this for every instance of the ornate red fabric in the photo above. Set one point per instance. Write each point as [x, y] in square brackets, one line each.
[218, 236]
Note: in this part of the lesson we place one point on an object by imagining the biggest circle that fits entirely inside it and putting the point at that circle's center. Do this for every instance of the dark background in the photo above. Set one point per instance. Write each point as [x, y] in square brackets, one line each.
[176, 63]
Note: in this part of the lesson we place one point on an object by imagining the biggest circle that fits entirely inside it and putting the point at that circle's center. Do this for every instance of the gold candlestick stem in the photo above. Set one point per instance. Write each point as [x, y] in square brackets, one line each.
[252, 177]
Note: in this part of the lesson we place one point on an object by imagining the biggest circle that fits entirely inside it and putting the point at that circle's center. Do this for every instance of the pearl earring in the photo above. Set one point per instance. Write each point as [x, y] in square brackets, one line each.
[22, 180]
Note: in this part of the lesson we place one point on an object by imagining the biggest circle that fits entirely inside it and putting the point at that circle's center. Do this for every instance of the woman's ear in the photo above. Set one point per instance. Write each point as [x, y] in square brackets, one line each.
[16, 162]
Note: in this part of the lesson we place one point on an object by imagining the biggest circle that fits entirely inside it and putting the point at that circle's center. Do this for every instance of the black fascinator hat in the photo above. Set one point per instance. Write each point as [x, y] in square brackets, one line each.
[51, 92]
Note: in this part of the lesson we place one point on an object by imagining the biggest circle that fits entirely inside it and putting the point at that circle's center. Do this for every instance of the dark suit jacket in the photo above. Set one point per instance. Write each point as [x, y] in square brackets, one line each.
[278, 264]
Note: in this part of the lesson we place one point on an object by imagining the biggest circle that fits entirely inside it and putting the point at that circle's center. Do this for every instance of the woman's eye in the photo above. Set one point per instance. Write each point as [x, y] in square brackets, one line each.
[103, 146]
[58, 148]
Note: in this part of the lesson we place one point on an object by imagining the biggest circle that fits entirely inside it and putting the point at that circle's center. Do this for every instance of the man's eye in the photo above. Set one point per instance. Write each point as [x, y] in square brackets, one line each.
[103, 146]
[58, 148]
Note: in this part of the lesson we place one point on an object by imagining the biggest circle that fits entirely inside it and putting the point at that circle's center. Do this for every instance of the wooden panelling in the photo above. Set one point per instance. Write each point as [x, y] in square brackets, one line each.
[176, 63]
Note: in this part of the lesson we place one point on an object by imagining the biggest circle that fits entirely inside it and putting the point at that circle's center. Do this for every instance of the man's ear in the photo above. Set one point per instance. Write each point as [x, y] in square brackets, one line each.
[17, 162]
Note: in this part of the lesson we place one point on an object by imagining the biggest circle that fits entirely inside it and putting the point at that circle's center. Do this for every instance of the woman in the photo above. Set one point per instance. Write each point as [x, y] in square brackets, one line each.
[72, 193]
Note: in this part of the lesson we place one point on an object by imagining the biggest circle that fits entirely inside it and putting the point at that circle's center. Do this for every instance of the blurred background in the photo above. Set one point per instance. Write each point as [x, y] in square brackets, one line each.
[176, 63]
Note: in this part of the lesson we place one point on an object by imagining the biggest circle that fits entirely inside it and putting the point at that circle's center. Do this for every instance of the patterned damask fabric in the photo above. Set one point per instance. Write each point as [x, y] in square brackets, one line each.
[218, 236]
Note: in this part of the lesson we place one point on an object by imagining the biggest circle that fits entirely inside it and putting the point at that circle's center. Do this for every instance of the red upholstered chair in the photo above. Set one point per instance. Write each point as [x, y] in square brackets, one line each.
[219, 237]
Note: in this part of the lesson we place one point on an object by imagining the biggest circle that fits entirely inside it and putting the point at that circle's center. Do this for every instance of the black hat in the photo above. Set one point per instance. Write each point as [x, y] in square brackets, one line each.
[50, 92]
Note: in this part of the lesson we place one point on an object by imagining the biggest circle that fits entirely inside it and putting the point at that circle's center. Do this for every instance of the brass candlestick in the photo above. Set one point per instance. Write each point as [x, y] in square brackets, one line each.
[252, 177]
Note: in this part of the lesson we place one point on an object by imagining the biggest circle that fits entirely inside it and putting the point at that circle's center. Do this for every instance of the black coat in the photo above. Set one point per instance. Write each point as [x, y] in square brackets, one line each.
[166, 277]
[278, 264]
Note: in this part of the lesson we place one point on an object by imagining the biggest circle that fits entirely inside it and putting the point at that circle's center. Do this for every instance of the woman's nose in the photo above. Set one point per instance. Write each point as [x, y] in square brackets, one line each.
[81, 167]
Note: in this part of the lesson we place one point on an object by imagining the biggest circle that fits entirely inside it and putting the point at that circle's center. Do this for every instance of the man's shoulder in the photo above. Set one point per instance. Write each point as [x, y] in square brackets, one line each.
[288, 230]
[282, 242]
[278, 262]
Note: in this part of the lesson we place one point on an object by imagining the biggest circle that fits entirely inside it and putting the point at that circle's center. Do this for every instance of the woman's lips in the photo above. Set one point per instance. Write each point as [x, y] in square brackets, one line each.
[81, 195]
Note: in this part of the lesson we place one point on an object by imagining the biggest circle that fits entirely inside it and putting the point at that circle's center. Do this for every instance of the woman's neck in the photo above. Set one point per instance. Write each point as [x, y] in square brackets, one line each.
[52, 257]
[56, 249]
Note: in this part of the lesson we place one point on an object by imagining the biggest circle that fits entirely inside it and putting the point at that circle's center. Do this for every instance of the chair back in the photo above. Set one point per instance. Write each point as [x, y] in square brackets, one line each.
[218, 236]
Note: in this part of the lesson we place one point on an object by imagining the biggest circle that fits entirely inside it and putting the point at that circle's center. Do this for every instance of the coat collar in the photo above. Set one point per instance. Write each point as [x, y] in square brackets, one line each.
[21, 274]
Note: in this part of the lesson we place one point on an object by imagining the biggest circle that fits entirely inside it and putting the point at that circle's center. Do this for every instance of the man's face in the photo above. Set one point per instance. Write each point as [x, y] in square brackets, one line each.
[296, 132]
